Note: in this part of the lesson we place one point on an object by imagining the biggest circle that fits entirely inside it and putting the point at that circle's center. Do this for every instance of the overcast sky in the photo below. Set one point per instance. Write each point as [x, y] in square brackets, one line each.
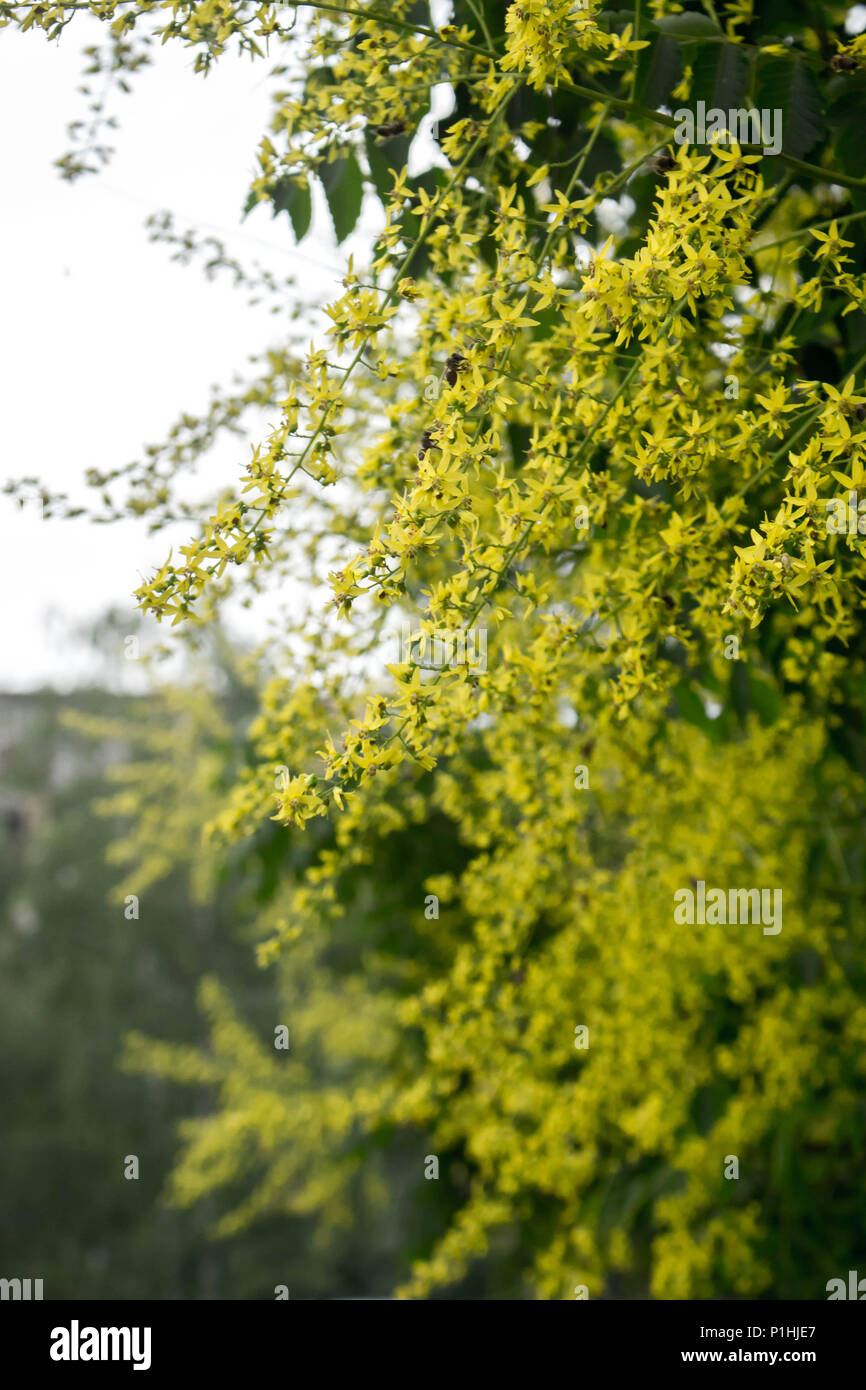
[104, 341]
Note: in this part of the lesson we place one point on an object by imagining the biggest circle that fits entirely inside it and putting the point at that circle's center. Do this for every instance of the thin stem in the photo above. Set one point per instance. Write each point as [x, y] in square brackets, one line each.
[814, 227]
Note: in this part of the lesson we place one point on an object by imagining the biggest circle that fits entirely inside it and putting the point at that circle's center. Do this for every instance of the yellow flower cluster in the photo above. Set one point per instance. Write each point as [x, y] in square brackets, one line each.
[607, 453]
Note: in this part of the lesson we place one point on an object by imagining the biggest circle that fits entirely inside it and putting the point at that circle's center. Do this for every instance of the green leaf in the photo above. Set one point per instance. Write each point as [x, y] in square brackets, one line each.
[687, 26]
[659, 70]
[850, 151]
[750, 692]
[319, 77]
[690, 706]
[845, 114]
[602, 158]
[385, 160]
[720, 76]
[344, 190]
[765, 699]
[788, 86]
[294, 198]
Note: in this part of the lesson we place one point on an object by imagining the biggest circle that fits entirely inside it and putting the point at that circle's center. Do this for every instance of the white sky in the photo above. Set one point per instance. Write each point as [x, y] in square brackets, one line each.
[103, 340]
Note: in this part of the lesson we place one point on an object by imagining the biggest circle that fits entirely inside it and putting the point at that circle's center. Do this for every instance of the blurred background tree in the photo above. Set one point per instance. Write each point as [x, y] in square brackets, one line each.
[78, 974]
